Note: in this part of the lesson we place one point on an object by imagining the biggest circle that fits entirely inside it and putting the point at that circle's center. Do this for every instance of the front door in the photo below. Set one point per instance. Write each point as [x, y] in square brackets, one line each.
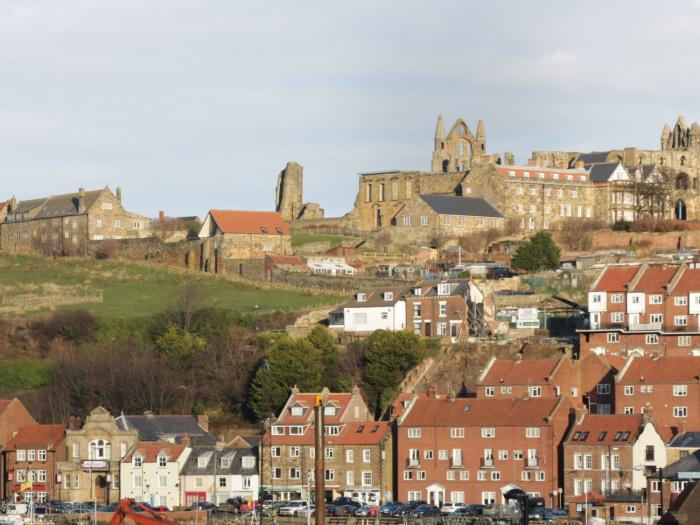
[101, 489]
[427, 329]
[436, 495]
[454, 331]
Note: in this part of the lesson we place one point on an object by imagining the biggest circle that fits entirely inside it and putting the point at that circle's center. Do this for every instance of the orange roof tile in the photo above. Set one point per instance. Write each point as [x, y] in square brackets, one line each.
[39, 436]
[235, 221]
[2, 205]
[149, 450]
[654, 279]
[614, 278]
[689, 282]
[4, 403]
[604, 429]
[308, 400]
[479, 412]
[669, 369]
[519, 372]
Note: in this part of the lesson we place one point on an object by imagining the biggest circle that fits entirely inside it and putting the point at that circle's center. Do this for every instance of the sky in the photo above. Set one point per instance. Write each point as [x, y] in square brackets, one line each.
[197, 105]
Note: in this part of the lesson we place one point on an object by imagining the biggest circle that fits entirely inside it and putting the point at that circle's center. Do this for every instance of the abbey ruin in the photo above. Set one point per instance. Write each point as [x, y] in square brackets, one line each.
[552, 187]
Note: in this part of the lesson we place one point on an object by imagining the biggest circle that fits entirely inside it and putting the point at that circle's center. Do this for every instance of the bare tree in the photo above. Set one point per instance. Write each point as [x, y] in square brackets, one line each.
[576, 233]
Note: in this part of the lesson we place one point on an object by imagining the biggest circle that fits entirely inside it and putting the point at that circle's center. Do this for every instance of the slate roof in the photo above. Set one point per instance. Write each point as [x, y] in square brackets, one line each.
[67, 204]
[156, 428]
[375, 298]
[213, 465]
[470, 206]
[594, 157]
[686, 440]
[260, 222]
[602, 172]
[688, 464]
[307, 401]
[457, 288]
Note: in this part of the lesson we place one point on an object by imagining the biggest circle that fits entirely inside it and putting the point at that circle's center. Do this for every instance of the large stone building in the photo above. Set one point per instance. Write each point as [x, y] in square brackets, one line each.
[553, 186]
[64, 224]
[91, 469]
[238, 241]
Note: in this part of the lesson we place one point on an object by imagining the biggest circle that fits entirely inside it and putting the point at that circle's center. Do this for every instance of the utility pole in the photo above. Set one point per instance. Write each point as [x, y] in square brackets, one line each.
[320, 510]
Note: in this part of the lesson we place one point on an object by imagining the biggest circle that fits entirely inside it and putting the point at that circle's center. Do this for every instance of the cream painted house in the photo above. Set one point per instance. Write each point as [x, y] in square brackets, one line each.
[150, 472]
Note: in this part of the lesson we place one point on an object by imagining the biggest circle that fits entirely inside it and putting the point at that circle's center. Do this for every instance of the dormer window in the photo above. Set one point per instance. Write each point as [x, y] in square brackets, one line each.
[417, 292]
[202, 461]
[248, 461]
[444, 289]
[263, 229]
[277, 430]
[361, 297]
[226, 462]
[297, 411]
[333, 430]
[162, 461]
[137, 460]
[329, 410]
[388, 296]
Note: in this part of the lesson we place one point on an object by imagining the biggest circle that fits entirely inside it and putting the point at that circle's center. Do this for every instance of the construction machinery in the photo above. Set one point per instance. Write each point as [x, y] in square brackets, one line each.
[138, 513]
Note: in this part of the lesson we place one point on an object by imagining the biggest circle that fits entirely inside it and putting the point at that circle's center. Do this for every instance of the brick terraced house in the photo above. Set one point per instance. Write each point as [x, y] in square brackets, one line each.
[31, 456]
[670, 386]
[645, 309]
[438, 310]
[475, 450]
[64, 224]
[357, 454]
[607, 455]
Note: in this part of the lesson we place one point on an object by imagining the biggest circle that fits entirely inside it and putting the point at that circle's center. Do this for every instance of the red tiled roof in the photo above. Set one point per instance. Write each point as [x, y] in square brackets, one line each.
[2, 205]
[234, 221]
[688, 283]
[479, 412]
[356, 433]
[4, 403]
[519, 372]
[654, 279]
[669, 369]
[614, 425]
[149, 450]
[39, 436]
[615, 278]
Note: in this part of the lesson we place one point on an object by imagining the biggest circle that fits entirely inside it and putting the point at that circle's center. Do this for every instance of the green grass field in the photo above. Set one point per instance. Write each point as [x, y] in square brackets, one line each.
[303, 238]
[24, 374]
[127, 289]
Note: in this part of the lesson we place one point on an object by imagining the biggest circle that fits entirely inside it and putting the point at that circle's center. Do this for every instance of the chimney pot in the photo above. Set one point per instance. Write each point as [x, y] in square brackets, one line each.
[161, 215]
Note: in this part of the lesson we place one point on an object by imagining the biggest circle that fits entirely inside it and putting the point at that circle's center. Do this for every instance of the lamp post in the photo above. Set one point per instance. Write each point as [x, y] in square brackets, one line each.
[560, 491]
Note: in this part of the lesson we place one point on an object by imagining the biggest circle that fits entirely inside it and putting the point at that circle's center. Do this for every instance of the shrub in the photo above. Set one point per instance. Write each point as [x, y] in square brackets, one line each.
[621, 226]
[77, 326]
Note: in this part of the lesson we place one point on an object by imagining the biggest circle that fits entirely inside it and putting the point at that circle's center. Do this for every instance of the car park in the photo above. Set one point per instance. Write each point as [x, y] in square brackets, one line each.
[449, 508]
[388, 509]
[291, 508]
[423, 511]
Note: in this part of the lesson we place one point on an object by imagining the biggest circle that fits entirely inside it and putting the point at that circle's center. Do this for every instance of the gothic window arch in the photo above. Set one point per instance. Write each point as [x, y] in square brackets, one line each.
[682, 181]
[680, 211]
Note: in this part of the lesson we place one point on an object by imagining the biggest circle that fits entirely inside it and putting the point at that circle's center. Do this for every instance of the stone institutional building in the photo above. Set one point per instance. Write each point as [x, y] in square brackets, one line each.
[552, 187]
[64, 224]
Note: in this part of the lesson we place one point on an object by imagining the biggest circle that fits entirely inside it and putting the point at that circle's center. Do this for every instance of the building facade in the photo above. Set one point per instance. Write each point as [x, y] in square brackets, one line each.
[64, 224]
[31, 456]
[438, 310]
[92, 465]
[150, 472]
[216, 474]
[357, 450]
[645, 309]
[475, 450]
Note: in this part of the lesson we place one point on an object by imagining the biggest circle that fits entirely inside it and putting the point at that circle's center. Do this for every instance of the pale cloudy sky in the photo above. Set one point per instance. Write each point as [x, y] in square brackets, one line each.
[191, 105]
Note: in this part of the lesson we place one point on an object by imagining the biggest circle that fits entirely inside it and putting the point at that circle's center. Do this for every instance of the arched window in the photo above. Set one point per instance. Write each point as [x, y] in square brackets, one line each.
[679, 210]
[683, 160]
[682, 181]
[99, 449]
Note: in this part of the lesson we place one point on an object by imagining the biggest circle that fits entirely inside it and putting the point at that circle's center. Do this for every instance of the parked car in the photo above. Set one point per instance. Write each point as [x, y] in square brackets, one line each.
[291, 508]
[426, 510]
[161, 508]
[449, 507]
[366, 511]
[249, 507]
[407, 508]
[203, 505]
[550, 514]
[306, 511]
[388, 509]
[471, 510]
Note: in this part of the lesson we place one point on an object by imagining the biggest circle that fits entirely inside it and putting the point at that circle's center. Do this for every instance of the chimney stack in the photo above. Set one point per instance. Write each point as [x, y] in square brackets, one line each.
[13, 204]
[119, 194]
[186, 441]
[203, 421]
[81, 200]
[579, 165]
[161, 216]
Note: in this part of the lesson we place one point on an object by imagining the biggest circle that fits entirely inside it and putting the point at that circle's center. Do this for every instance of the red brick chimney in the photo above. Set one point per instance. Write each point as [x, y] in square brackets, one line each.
[186, 441]
[579, 165]
[203, 421]
[161, 216]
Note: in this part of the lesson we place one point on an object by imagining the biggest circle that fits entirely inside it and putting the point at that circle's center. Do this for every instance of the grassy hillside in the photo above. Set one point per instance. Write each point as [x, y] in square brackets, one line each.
[17, 375]
[122, 289]
[299, 238]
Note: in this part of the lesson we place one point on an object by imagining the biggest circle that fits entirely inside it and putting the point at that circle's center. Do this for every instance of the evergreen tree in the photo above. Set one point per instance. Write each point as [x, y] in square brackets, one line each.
[390, 356]
[332, 375]
[540, 252]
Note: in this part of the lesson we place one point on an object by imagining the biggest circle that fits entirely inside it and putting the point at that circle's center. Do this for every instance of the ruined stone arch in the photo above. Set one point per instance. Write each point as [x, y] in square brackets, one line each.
[682, 181]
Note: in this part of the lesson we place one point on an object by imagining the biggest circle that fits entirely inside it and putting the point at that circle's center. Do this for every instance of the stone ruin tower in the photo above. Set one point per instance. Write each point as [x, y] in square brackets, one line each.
[459, 149]
[288, 195]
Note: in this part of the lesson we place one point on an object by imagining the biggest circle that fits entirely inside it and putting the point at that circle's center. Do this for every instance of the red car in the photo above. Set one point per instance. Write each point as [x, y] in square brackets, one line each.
[161, 509]
[248, 507]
